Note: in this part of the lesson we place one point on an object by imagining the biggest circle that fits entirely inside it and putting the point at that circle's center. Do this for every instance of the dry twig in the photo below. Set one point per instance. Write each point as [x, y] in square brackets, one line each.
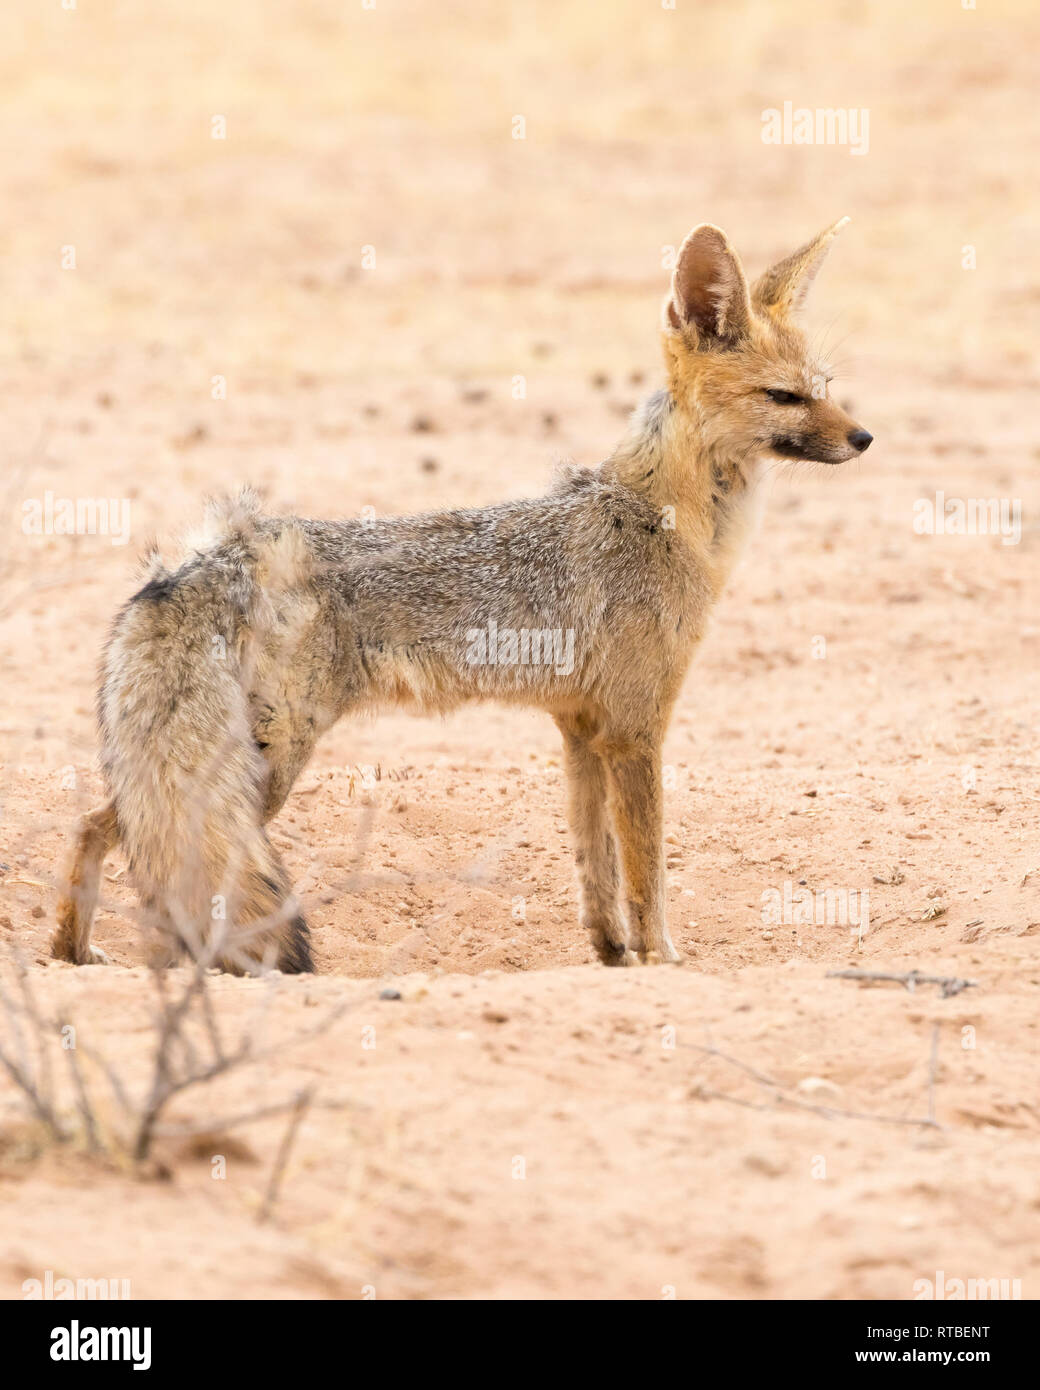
[949, 985]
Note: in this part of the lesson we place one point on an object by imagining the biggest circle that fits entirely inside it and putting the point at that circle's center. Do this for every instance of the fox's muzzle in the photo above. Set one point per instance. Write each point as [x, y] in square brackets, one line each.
[814, 448]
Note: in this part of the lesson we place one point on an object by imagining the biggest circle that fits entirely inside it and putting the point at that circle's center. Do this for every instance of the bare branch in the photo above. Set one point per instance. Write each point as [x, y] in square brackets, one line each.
[303, 1100]
[950, 985]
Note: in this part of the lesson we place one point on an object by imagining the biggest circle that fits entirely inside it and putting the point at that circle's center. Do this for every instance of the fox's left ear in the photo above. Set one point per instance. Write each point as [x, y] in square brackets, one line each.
[709, 297]
[781, 291]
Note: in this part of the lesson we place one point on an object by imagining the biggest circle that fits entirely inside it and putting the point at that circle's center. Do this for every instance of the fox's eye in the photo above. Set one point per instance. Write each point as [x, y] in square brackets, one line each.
[785, 397]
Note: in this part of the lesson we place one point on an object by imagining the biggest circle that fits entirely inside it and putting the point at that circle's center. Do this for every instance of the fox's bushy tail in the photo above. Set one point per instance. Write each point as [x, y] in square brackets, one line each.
[184, 773]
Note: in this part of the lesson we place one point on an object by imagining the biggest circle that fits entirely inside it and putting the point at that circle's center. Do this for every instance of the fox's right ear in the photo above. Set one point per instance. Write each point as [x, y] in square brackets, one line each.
[781, 290]
[709, 292]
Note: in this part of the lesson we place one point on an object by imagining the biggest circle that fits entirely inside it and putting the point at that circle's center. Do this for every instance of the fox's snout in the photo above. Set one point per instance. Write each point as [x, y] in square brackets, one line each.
[825, 444]
[815, 430]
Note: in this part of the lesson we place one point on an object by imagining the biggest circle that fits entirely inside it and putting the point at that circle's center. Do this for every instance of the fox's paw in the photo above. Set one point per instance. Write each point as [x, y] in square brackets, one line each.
[64, 949]
[615, 953]
[164, 954]
[668, 955]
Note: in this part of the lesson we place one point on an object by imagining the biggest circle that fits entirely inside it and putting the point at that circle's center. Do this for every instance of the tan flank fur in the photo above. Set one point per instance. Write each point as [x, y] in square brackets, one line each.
[220, 675]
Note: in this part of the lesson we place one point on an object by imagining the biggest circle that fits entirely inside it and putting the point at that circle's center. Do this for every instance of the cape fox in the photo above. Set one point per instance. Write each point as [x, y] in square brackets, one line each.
[220, 675]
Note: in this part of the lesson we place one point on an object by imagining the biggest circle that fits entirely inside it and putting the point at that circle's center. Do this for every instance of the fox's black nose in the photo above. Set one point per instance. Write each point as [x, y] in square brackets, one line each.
[860, 439]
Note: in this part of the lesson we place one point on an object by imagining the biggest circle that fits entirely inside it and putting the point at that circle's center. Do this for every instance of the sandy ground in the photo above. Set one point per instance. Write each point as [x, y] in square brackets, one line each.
[528, 1123]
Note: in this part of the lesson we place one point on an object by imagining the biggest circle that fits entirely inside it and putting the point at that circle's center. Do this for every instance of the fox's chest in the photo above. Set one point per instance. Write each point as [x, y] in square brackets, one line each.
[736, 511]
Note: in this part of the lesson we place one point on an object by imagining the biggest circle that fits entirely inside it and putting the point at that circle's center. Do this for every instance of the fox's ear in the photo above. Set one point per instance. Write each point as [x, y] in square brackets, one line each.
[709, 291]
[781, 291]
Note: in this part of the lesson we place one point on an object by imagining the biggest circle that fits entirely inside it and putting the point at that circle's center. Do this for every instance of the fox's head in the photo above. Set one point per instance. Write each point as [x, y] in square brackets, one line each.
[739, 362]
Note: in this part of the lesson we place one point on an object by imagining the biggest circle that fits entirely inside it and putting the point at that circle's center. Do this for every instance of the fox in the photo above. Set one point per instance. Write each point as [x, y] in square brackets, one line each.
[222, 672]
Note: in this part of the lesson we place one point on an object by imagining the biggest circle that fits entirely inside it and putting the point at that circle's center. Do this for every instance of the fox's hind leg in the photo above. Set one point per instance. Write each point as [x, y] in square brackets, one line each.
[285, 729]
[98, 834]
[595, 850]
[166, 945]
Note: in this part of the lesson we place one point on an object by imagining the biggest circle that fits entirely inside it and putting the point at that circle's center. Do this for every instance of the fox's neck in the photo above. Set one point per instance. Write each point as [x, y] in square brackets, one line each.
[702, 490]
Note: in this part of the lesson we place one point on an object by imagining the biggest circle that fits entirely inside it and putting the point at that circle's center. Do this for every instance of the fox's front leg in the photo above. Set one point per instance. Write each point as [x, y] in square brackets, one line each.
[636, 800]
[595, 850]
